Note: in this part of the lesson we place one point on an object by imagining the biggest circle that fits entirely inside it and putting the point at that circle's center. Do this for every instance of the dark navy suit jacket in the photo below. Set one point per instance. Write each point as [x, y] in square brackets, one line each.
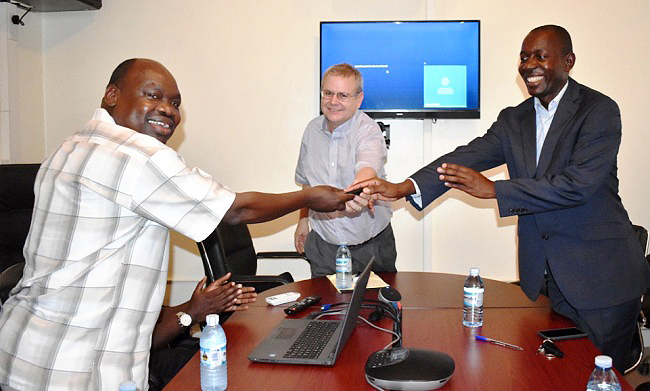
[570, 213]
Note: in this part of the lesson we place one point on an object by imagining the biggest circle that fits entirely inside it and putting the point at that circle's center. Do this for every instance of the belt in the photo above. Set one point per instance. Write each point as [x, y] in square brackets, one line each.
[362, 243]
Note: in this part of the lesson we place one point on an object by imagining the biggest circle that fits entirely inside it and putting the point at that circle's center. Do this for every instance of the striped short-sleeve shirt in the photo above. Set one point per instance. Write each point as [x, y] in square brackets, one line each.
[96, 256]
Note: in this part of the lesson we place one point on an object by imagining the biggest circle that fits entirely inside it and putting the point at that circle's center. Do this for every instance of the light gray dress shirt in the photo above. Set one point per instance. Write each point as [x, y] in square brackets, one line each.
[333, 158]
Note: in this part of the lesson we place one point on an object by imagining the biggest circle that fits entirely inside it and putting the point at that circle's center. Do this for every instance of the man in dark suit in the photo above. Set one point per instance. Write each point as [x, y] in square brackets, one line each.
[575, 238]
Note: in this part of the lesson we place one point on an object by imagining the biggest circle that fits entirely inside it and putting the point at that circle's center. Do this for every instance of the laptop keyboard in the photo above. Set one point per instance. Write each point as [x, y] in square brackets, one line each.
[312, 341]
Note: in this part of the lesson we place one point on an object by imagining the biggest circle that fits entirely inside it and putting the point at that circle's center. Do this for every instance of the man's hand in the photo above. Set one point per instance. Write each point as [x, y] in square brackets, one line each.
[361, 199]
[300, 236]
[464, 178]
[379, 189]
[383, 190]
[217, 297]
[327, 198]
[357, 204]
[247, 296]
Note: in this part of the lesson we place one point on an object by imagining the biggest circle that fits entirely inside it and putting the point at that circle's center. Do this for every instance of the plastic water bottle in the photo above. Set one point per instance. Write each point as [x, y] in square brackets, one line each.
[214, 372]
[473, 290]
[603, 377]
[128, 385]
[343, 267]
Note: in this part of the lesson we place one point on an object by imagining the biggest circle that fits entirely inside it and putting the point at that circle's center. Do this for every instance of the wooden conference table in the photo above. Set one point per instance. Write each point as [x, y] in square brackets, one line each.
[432, 311]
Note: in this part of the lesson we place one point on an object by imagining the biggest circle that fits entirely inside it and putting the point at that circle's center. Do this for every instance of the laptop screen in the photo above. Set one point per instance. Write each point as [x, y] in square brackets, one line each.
[355, 306]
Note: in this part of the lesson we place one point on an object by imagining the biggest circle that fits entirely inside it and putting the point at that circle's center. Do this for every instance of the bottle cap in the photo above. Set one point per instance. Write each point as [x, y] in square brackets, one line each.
[603, 361]
[473, 271]
[212, 319]
[128, 385]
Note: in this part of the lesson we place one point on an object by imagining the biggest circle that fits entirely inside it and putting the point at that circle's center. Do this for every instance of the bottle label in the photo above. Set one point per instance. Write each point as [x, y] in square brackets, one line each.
[213, 357]
[473, 296]
[343, 265]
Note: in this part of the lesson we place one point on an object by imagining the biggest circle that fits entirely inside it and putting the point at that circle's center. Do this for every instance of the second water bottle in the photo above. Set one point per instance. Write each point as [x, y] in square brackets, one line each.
[343, 267]
[473, 290]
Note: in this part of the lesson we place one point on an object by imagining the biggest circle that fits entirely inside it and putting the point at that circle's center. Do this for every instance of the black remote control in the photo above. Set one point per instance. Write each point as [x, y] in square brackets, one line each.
[302, 304]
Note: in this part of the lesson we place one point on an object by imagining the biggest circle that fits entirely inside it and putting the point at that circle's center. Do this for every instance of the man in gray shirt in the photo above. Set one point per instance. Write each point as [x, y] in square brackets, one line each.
[341, 147]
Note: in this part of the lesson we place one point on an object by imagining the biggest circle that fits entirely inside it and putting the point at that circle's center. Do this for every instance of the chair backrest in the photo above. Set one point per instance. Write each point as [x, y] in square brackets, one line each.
[238, 248]
[635, 353]
[16, 206]
[212, 256]
[229, 248]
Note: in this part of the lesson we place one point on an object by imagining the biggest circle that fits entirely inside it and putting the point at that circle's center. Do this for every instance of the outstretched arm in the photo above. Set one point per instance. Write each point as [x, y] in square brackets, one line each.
[383, 190]
[254, 207]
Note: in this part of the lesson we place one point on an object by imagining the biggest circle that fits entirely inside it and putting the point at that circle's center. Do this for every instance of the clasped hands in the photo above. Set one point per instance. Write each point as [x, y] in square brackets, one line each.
[219, 296]
[360, 201]
[454, 176]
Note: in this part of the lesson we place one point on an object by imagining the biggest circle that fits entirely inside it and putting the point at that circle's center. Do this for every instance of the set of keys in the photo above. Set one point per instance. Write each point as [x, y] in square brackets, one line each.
[549, 349]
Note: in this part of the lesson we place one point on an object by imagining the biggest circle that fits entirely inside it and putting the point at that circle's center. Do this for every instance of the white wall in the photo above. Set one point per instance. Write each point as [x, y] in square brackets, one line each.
[610, 42]
[22, 130]
[248, 72]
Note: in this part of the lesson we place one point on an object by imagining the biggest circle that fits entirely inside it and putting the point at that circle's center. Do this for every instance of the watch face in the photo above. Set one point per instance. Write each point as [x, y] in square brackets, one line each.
[184, 319]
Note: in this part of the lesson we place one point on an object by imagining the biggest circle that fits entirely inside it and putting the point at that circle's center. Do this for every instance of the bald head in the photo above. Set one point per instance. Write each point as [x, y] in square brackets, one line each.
[120, 71]
[142, 95]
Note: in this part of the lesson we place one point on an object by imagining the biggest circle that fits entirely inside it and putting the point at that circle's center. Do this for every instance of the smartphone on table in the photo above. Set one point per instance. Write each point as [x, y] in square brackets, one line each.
[562, 333]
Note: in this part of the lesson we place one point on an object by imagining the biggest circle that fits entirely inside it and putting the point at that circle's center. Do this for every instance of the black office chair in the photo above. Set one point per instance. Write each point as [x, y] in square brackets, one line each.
[9, 278]
[635, 354]
[16, 206]
[230, 249]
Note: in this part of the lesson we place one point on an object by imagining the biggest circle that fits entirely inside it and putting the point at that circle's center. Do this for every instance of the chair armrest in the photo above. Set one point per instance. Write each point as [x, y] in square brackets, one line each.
[9, 278]
[281, 280]
[280, 254]
[262, 283]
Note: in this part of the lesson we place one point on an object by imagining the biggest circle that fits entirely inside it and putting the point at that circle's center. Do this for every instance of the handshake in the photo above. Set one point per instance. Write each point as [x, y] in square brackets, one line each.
[370, 190]
[453, 175]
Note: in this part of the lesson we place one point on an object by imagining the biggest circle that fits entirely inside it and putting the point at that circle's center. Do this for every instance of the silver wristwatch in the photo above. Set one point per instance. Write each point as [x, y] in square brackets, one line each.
[184, 319]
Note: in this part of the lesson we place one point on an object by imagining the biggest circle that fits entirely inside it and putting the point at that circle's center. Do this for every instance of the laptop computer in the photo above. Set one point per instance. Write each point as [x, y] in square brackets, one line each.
[321, 341]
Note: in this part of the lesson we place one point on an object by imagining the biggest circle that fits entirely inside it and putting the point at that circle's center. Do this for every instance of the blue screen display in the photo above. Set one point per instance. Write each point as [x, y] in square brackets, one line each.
[411, 69]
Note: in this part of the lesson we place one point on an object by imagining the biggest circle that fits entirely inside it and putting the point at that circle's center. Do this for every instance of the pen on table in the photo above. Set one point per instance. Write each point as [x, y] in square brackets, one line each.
[500, 343]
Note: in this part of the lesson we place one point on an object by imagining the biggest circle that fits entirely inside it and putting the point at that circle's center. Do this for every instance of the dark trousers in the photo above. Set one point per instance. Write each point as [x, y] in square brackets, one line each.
[611, 329]
[322, 254]
[165, 363]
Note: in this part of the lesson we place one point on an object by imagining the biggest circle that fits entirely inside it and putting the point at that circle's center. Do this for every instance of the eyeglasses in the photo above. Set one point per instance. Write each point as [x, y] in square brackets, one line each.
[341, 96]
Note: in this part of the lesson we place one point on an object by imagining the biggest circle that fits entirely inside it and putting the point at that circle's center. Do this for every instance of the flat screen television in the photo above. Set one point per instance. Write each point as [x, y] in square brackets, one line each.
[411, 69]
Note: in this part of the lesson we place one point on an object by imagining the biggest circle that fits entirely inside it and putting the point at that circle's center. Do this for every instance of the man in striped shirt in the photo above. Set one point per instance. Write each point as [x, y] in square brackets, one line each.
[96, 255]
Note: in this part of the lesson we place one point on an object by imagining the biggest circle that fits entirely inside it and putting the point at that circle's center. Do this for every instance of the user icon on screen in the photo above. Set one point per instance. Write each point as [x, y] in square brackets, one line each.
[445, 89]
